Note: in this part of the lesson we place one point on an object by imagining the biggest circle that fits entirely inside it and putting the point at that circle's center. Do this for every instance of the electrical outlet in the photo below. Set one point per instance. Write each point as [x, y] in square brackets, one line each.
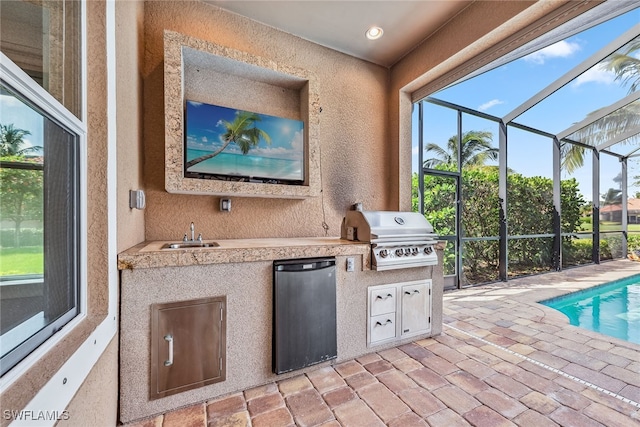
[350, 264]
[225, 205]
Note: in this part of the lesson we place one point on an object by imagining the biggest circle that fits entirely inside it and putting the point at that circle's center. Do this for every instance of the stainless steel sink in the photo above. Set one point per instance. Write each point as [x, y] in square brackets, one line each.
[187, 245]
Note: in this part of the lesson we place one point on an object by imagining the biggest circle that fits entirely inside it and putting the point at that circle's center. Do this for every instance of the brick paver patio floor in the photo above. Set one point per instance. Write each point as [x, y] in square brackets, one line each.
[502, 360]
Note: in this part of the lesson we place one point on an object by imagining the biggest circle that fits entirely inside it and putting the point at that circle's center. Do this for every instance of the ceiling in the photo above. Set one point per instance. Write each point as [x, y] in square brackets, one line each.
[341, 25]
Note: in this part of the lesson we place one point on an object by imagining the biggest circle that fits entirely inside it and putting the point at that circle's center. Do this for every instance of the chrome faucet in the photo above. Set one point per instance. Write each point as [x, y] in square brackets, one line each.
[192, 229]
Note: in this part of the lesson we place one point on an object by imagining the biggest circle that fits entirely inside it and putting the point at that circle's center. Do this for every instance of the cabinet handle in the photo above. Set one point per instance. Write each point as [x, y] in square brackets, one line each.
[387, 296]
[169, 339]
[386, 323]
[415, 291]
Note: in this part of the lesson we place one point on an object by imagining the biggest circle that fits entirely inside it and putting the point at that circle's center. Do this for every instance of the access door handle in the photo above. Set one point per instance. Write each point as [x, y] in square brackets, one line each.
[169, 339]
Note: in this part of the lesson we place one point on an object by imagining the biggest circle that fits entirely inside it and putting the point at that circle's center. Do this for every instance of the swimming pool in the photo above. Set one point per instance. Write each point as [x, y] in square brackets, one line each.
[612, 309]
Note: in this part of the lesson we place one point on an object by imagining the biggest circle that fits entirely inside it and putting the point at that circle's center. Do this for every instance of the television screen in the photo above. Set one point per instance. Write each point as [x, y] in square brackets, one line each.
[236, 145]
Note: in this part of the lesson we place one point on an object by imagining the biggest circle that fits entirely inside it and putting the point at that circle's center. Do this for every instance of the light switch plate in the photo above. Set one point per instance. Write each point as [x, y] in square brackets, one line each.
[136, 199]
[350, 264]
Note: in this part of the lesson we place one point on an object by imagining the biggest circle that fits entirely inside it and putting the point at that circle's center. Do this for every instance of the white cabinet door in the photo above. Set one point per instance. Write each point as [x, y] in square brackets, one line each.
[416, 310]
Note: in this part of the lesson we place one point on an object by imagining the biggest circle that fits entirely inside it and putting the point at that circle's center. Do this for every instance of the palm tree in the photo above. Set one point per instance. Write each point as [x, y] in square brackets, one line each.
[613, 196]
[476, 150]
[12, 140]
[626, 65]
[242, 131]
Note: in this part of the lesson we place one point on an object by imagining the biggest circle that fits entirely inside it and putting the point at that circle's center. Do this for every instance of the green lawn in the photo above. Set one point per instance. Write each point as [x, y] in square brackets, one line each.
[18, 261]
[611, 226]
[616, 226]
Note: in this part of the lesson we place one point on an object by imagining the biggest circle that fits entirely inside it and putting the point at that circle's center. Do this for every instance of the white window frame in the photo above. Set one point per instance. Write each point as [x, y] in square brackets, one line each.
[35, 94]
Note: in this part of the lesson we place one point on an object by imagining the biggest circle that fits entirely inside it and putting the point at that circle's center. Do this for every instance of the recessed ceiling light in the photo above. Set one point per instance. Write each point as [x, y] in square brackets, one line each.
[374, 33]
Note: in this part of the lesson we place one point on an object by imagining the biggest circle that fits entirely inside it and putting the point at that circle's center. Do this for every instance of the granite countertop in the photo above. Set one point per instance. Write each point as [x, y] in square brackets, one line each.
[150, 254]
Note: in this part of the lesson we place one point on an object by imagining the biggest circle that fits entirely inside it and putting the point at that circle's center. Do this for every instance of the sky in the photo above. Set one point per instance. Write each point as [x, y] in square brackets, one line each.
[14, 111]
[205, 130]
[499, 91]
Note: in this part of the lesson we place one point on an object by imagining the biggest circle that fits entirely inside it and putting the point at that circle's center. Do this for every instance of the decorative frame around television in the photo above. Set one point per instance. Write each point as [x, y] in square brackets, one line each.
[211, 74]
[236, 145]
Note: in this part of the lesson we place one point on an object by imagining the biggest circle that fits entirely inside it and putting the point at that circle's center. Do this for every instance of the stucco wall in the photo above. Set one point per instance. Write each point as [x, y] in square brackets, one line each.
[129, 57]
[96, 402]
[353, 132]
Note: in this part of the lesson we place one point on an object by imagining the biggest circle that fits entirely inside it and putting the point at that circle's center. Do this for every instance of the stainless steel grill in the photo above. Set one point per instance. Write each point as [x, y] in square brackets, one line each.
[398, 239]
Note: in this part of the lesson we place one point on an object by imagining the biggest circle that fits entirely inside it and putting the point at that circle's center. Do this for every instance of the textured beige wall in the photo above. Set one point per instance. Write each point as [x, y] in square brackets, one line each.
[353, 132]
[129, 57]
[96, 402]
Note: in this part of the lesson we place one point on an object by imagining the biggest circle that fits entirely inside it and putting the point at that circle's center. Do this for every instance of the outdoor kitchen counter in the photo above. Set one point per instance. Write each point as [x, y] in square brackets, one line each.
[242, 272]
[150, 254]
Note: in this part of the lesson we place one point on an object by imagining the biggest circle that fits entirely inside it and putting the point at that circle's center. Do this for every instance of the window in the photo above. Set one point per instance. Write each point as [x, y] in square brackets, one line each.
[40, 166]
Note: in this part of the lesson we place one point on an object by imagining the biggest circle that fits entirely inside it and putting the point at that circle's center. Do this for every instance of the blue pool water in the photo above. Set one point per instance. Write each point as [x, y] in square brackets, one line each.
[612, 309]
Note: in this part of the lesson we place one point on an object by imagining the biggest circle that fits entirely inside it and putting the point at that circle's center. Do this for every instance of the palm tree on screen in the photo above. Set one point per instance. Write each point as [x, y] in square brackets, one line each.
[242, 131]
[476, 150]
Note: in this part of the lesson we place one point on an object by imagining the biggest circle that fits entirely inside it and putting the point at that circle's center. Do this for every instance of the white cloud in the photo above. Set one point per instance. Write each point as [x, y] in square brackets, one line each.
[10, 101]
[297, 142]
[561, 49]
[204, 139]
[597, 74]
[293, 153]
[487, 105]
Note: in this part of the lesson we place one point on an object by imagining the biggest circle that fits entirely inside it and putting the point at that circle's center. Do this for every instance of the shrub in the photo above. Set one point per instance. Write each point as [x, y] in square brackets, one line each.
[530, 211]
[28, 237]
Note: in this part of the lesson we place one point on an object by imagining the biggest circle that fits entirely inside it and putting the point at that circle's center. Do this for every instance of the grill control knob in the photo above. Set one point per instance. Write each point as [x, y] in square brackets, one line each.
[399, 252]
[414, 251]
[428, 250]
[383, 253]
[407, 251]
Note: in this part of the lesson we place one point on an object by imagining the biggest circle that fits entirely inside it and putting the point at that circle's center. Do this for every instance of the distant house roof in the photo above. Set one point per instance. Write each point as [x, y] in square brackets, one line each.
[633, 205]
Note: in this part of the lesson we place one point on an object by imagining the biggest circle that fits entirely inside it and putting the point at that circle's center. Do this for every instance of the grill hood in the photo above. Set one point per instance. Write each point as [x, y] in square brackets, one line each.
[386, 226]
[398, 239]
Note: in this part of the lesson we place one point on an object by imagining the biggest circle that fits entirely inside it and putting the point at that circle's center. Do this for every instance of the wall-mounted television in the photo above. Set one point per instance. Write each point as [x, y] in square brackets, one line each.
[236, 145]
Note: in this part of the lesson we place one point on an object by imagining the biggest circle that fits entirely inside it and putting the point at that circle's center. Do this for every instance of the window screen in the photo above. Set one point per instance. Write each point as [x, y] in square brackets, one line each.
[39, 227]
